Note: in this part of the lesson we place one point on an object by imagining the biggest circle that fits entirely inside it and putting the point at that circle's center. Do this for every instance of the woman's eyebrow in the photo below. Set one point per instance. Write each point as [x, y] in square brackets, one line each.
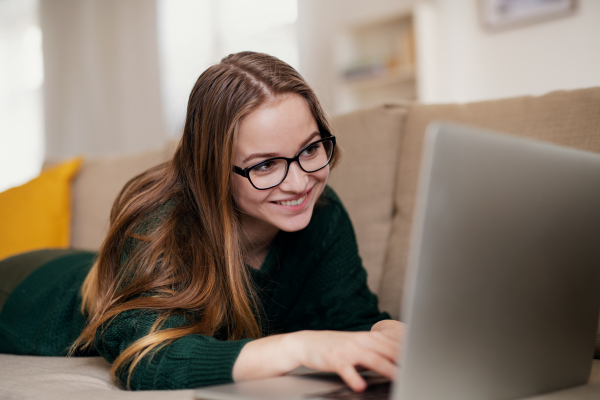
[271, 155]
[261, 155]
[309, 139]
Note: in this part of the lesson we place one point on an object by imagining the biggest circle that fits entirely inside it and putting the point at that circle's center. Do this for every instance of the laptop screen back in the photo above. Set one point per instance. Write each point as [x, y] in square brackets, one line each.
[503, 288]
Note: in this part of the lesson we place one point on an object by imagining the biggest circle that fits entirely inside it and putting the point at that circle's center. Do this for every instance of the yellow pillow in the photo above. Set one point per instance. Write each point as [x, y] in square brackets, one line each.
[37, 214]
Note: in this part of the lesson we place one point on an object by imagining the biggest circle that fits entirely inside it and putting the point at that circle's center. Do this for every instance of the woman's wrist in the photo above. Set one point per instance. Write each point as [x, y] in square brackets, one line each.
[293, 348]
[268, 357]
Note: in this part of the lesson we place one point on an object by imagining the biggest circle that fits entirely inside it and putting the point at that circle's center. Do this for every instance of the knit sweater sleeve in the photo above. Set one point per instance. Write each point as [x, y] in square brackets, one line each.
[335, 293]
[189, 362]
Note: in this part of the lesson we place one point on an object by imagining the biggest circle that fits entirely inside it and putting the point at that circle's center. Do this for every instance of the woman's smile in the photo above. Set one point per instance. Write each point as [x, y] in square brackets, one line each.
[296, 203]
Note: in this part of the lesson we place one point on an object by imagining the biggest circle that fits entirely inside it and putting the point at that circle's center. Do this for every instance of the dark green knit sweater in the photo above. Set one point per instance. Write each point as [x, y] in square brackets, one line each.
[311, 279]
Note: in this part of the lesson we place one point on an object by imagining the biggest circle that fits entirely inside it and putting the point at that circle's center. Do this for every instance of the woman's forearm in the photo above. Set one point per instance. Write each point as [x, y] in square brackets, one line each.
[266, 357]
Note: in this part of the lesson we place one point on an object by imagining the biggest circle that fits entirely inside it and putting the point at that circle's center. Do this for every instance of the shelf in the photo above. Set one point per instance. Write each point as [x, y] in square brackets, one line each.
[376, 62]
[383, 79]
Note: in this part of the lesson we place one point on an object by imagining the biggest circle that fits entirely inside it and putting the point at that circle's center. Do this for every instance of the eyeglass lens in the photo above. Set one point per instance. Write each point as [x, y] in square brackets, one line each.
[272, 172]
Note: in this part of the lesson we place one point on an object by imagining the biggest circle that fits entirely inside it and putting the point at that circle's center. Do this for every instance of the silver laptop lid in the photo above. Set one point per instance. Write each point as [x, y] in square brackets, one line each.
[503, 288]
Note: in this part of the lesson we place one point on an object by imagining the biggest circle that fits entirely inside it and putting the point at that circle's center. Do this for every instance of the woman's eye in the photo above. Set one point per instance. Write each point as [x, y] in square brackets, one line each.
[311, 150]
[266, 166]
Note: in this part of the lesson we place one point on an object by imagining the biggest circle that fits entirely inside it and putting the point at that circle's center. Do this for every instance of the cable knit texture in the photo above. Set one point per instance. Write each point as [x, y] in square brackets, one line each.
[311, 279]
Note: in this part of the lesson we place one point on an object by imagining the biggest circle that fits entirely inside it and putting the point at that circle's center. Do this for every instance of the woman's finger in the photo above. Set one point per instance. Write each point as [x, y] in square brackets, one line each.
[352, 378]
[379, 343]
[393, 329]
[377, 363]
[393, 334]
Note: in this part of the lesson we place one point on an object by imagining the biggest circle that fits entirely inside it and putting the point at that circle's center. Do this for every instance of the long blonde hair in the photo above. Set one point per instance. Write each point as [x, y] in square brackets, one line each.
[192, 262]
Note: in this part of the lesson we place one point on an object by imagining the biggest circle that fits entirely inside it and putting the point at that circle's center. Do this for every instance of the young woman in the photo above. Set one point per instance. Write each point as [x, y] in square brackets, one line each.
[232, 261]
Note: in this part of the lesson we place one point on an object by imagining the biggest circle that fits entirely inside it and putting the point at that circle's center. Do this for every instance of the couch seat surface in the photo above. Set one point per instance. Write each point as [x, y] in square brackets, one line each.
[30, 377]
[61, 378]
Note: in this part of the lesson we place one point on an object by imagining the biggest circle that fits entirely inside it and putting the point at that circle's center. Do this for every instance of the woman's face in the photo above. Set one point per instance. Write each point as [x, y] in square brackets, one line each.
[277, 129]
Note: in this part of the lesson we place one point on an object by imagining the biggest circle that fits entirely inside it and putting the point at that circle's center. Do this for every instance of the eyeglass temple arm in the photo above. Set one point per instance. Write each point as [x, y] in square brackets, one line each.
[240, 171]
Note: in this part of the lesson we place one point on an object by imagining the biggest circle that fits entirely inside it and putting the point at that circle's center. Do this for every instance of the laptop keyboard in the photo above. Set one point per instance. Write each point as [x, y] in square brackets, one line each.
[378, 391]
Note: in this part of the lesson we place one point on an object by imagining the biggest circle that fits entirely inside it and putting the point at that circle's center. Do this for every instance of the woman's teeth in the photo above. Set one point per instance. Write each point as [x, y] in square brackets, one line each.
[293, 202]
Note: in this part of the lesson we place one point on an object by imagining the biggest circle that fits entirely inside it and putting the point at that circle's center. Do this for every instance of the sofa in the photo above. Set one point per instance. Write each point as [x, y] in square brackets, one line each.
[376, 180]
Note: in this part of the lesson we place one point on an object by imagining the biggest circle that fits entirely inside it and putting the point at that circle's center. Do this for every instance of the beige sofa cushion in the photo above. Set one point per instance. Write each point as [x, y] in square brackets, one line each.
[96, 187]
[569, 118]
[364, 178]
[62, 378]
[68, 378]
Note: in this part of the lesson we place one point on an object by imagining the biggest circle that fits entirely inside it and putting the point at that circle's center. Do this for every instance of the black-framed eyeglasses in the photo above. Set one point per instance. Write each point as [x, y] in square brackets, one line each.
[271, 172]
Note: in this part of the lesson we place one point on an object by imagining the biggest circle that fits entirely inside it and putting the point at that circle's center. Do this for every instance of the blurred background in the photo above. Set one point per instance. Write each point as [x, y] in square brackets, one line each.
[99, 77]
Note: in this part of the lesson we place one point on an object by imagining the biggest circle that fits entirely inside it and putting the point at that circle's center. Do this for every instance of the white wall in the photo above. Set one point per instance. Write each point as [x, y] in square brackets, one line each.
[460, 61]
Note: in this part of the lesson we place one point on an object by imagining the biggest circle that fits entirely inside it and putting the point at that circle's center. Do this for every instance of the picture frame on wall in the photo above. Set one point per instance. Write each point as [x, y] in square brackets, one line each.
[502, 14]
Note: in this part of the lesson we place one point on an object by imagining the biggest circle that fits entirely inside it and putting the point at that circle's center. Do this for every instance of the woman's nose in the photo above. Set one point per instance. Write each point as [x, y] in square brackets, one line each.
[296, 179]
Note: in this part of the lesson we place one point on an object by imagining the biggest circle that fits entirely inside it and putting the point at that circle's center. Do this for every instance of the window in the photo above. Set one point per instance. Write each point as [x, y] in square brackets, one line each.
[194, 34]
[21, 102]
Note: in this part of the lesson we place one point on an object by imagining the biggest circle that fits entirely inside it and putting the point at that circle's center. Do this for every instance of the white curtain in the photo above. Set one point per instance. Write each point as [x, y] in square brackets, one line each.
[101, 88]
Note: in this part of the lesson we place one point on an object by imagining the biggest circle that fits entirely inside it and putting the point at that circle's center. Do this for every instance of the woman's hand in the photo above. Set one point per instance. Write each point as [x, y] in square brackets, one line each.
[343, 352]
[329, 351]
[395, 330]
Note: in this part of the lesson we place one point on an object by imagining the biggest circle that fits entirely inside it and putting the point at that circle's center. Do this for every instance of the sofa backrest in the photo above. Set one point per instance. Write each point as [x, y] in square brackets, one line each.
[95, 188]
[369, 141]
[569, 118]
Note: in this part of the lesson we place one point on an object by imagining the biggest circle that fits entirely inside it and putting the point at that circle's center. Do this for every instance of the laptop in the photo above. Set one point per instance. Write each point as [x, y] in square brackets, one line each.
[503, 287]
